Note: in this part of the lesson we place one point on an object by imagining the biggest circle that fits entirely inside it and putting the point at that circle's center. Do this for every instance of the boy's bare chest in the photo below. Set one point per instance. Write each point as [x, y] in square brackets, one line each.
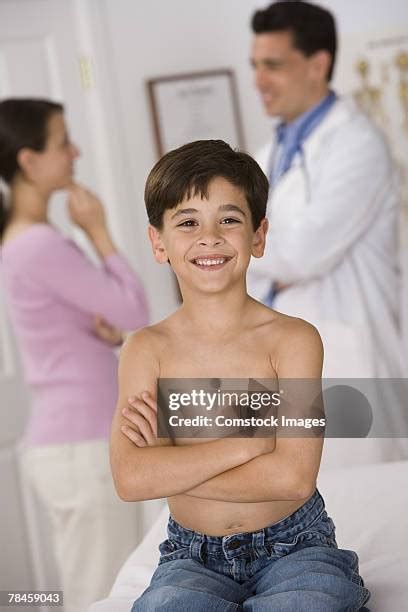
[226, 359]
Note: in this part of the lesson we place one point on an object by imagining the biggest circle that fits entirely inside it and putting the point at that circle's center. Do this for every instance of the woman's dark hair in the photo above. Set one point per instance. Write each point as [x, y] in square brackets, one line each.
[313, 28]
[187, 171]
[23, 123]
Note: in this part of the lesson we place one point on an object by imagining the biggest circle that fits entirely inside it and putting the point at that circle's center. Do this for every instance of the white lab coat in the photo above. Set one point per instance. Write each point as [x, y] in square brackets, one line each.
[333, 235]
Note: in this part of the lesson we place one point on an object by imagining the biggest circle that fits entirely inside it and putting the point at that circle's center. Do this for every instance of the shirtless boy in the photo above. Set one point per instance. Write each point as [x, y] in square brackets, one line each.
[248, 529]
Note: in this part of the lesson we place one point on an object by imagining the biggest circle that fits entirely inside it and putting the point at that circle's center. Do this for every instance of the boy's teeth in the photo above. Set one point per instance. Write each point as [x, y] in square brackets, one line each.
[209, 262]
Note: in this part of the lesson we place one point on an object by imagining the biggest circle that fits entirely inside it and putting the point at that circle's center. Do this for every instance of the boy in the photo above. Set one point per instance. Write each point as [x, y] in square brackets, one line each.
[248, 529]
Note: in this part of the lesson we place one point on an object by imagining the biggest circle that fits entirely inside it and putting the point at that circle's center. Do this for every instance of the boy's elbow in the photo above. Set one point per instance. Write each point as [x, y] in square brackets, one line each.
[131, 485]
[122, 489]
[126, 495]
[129, 491]
[130, 477]
[120, 481]
[122, 478]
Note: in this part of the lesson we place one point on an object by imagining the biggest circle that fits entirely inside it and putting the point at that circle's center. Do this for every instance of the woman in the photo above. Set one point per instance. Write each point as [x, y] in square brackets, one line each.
[67, 315]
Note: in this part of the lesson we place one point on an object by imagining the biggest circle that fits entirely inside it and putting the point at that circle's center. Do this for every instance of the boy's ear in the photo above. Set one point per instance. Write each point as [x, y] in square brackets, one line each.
[259, 239]
[159, 250]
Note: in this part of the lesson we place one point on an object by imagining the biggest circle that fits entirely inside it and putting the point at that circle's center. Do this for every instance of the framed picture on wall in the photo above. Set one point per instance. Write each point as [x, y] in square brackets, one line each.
[195, 106]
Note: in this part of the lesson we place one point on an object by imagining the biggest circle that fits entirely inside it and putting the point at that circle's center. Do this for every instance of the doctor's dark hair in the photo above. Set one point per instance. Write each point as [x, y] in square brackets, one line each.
[313, 28]
[187, 171]
[23, 124]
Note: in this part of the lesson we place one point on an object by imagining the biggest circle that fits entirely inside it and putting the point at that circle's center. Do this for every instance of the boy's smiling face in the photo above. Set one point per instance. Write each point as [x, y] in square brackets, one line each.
[209, 242]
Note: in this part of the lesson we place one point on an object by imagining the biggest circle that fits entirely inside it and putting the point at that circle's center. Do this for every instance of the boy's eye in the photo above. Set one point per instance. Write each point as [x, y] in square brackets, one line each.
[229, 220]
[187, 223]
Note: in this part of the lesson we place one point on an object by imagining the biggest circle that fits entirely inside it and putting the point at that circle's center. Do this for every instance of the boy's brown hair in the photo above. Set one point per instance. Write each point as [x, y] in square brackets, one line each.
[187, 171]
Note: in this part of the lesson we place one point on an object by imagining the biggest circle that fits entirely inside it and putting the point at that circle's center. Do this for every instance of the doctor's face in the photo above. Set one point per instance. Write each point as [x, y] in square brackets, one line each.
[289, 82]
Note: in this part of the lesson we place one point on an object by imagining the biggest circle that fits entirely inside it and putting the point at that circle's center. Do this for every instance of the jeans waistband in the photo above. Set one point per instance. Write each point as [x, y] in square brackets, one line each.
[287, 527]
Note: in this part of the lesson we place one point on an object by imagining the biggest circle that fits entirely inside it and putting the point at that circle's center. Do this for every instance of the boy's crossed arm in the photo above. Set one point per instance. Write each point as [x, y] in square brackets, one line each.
[241, 470]
[162, 470]
[279, 475]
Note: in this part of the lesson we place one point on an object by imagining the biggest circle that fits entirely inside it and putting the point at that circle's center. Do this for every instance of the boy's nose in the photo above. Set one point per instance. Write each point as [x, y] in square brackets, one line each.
[210, 239]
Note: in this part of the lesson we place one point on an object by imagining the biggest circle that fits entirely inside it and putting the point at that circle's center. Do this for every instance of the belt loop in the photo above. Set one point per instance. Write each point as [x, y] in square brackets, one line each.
[195, 547]
[258, 537]
[258, 541]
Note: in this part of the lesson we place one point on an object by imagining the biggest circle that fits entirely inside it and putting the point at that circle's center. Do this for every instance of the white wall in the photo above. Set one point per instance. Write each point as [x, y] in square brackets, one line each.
[150, 38]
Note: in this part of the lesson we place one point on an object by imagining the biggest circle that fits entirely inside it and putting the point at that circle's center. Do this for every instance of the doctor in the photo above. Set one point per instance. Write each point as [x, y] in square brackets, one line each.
[331, 255]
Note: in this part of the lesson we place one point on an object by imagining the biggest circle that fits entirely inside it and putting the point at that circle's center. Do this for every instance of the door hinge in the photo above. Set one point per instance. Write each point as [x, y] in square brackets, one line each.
[85, 69]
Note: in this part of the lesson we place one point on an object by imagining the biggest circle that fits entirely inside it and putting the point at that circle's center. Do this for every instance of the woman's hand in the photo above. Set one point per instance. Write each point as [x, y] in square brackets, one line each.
[108, 333]
[85, 209]
[87, 212]
[142, 416]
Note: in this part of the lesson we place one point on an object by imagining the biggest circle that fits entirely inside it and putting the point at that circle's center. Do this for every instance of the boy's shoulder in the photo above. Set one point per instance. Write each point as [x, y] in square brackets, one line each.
[144, 338]
[298, 347]
[149, 339]
[285, 327]
[291, 328]
[288, 340]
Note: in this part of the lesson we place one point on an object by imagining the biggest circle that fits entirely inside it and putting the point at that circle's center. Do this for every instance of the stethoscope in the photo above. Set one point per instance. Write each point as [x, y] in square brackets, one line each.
[271, 165]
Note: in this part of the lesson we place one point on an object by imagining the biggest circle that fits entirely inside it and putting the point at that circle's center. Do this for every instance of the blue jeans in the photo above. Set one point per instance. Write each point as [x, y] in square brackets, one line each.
[292, 565]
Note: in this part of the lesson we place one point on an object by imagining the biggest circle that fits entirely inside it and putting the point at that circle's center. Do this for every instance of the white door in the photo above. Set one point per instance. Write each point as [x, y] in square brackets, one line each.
[39, 57]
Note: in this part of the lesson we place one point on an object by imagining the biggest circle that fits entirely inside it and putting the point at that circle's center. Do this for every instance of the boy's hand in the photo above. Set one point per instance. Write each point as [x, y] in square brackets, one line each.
[142, 414]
